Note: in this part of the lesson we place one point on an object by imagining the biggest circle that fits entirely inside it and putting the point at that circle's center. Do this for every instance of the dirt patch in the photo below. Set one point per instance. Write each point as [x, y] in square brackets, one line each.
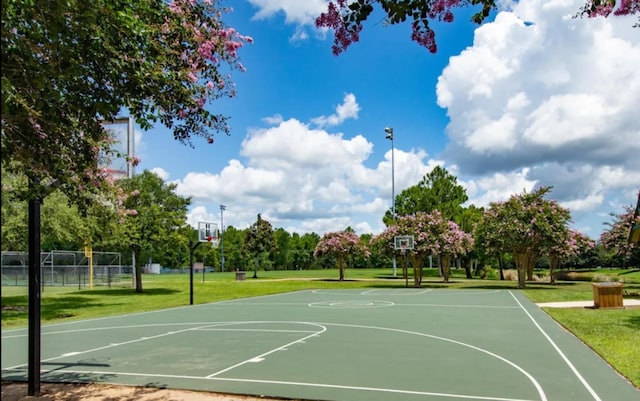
[100, 392]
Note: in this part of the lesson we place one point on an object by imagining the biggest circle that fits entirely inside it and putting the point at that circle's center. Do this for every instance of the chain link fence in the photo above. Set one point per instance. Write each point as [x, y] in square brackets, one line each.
[68, 268]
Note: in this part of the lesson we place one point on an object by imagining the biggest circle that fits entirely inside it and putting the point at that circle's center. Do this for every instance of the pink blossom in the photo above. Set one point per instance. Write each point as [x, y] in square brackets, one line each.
[192, 77]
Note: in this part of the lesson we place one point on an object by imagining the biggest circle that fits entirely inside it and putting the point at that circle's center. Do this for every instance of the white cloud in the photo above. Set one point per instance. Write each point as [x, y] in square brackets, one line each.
[553, 102]
[497, 187]
[301, 13]
[305, 180]
[273, 120]
[295, 11]
[160, 172]
[348, 109]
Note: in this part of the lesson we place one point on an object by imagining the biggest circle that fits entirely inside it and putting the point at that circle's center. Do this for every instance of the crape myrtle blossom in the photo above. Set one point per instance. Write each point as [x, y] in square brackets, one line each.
[340, 245]
[615, 240]
[526, 225]
[156, 66]
[574, 244]
[433, 235]
[346, 18]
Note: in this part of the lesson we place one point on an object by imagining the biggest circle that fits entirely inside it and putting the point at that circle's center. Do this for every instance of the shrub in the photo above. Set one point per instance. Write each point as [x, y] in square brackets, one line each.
[489, 274]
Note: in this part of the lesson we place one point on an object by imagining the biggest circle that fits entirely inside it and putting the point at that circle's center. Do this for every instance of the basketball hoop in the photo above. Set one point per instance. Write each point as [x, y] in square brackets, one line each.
[403, 243]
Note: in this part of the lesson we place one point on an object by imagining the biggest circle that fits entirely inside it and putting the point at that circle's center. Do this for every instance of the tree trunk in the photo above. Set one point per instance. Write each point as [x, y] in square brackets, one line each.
[255, 268]
[341, 268]
[522, 264]
[417, 271]
[501, 267]
[138, 270]
[531, 264]
[467, 266]
[554, 261]
[445, 261]
[405, 271]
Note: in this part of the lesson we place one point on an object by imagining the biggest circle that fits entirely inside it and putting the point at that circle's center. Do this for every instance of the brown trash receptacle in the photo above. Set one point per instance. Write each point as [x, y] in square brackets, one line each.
[240, 275]
[607, 295]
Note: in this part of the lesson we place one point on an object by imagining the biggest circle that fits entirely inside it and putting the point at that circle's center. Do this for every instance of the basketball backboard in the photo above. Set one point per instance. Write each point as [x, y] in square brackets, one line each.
[119, 164]
[403, 242]
[208, 232]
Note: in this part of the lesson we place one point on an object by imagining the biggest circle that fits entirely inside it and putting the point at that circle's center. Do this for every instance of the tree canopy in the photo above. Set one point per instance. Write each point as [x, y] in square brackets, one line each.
[526, 225]
[437, 190]
[259, 240]
[615, 239]
[346, 18]
[342, 246]
[156, 211]
[68, 66]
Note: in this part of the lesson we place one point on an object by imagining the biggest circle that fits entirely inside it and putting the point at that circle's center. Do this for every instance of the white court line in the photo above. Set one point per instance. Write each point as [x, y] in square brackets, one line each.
[133, 326]
[149, 312]
[110, 346]
[260, 330]
[324, 328]
[280, 348]
[394, 292]
[463, 306]
[302, 384]
[374, 389]
[562, 355]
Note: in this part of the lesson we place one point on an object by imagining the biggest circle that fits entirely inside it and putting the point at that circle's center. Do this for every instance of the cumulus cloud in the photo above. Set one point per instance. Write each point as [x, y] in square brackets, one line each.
[305, 180]
[160, 172]
[551, 102]
[301, 13]
[348, 109]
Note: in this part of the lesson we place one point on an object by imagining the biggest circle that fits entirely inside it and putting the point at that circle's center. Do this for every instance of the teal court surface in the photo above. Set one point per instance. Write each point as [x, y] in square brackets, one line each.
[374, 344]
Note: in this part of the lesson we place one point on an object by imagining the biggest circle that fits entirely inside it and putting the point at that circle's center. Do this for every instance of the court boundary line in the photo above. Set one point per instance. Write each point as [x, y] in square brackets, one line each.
[240, 301]
[559, 351]
[216, 325]
[291, 383]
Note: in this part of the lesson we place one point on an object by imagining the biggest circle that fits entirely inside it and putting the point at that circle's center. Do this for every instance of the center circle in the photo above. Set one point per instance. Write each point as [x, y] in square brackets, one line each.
[359, 304]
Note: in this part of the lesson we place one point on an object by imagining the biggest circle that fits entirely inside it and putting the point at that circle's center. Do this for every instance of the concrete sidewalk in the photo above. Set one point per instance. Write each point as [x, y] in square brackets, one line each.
[584, 304]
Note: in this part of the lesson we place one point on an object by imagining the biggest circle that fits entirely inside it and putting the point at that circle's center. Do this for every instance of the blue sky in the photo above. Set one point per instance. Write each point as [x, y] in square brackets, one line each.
[506, 107]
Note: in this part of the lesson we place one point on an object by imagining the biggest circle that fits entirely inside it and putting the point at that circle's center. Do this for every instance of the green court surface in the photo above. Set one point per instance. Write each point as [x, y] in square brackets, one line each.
[374, 344]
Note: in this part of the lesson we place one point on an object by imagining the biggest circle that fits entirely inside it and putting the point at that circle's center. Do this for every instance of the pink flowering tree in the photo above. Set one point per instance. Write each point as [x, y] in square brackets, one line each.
[342, 246]
[346, 18]
[605, 8]
[433, 235]
[525, 225]
[568, 244]
[68, 66]
[616, 239]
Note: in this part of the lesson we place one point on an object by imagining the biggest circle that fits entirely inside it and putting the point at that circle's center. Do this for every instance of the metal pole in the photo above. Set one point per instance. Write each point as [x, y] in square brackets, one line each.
[34, 339]
[192, 248]
[222, 209]
[389, 132]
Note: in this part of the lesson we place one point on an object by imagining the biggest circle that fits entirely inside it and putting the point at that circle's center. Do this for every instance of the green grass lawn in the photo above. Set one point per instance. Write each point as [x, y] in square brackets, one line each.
[612, 333]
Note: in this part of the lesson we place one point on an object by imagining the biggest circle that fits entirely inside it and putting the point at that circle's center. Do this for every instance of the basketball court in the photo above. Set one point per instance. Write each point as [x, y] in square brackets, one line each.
[373, 344]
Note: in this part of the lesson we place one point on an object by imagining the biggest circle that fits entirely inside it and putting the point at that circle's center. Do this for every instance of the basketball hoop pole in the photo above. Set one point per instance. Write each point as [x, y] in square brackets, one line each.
[192, 248]
[406, 272]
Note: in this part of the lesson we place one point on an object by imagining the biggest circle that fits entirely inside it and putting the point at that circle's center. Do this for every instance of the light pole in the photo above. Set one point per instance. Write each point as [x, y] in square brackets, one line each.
[222, 209]
[389, 135]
